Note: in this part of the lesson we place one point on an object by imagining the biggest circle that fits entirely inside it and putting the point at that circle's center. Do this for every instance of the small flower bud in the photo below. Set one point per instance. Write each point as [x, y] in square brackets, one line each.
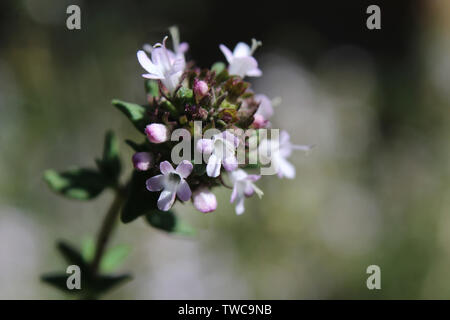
[259, 121]
[200, 88]
[142, 161]
[157, 133]
[204, 200]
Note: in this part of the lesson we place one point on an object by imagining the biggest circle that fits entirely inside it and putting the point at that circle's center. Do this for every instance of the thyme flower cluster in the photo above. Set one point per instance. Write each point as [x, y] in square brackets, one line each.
[182, 96]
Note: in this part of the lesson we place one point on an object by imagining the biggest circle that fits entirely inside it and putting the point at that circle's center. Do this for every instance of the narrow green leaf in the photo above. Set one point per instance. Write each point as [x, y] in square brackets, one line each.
[114, 257]
[168, 221]
[88, 249]
[110, 164]
[136, 113]
[102, 284]
[77, 183]
[71, 255]
[59, 281]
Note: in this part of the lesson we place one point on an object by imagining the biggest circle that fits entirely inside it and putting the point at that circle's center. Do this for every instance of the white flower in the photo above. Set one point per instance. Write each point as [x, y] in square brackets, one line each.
[172, 182]
[164, 65]
[277, 152]
[221, 148]
[241, 62]
[243, 186]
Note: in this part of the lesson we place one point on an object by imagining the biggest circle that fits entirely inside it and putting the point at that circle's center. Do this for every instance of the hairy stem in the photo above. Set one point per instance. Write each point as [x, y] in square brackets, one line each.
[107, 227]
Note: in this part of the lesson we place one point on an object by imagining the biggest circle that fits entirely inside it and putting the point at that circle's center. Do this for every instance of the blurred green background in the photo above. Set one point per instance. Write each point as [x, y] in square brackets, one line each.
[375, 190]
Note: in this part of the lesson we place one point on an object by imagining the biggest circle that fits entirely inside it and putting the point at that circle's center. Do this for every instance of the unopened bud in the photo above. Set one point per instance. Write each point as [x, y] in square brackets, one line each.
[157, 133]
[259, 121]
[200, 88]
[204, 200]
[142, 161]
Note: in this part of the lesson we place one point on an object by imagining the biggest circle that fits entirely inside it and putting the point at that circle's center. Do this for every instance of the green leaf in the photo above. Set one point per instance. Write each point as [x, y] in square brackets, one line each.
[136, 113]
[218, 67]
[114, 257]
[77, 183]
[102, 284]
[152, 88]
[91, 287]
[59, 281]
[168, 221]
[139, 200]
[110, 164]
[88, 249]
[72, 255]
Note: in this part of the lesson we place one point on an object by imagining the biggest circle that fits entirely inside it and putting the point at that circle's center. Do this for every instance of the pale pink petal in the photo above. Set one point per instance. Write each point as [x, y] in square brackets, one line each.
[184, 191]
[240, 66]
[240, 205]
[160, 57]
[230, 163]
[253, 177]
[165, 167]
[155, 183]
[184, 168]
[228, 136]
[234, 193]
[183, 47]
[147, 64]
[227, 53]
[241, 50]
[248, 191]
[285, 169]
[213, 166]
[166, 200]
[152, 76]
[205, 146]
[254, 72]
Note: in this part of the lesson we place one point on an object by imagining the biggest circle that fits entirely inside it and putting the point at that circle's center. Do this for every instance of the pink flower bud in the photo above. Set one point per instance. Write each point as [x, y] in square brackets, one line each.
[157, 133]
[142, 161]
[204, 200]
[200, 88]
[259, 121]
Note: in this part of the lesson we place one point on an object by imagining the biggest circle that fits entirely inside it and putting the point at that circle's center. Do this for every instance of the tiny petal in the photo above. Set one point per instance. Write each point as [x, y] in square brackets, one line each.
[230, 163]
[248, 191]
[205, 146]
[228, 136]
[142, 161]
[213, 166]
[184, 191]
[165, 167]
[240, 206]
[227, 53]
[155, 183]
[166, 200]
[157, 133]
[285, 169]
[184, 168]
[204, 200]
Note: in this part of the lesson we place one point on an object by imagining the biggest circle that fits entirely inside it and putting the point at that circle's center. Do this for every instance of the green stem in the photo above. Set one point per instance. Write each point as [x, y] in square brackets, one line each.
[106, 229]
